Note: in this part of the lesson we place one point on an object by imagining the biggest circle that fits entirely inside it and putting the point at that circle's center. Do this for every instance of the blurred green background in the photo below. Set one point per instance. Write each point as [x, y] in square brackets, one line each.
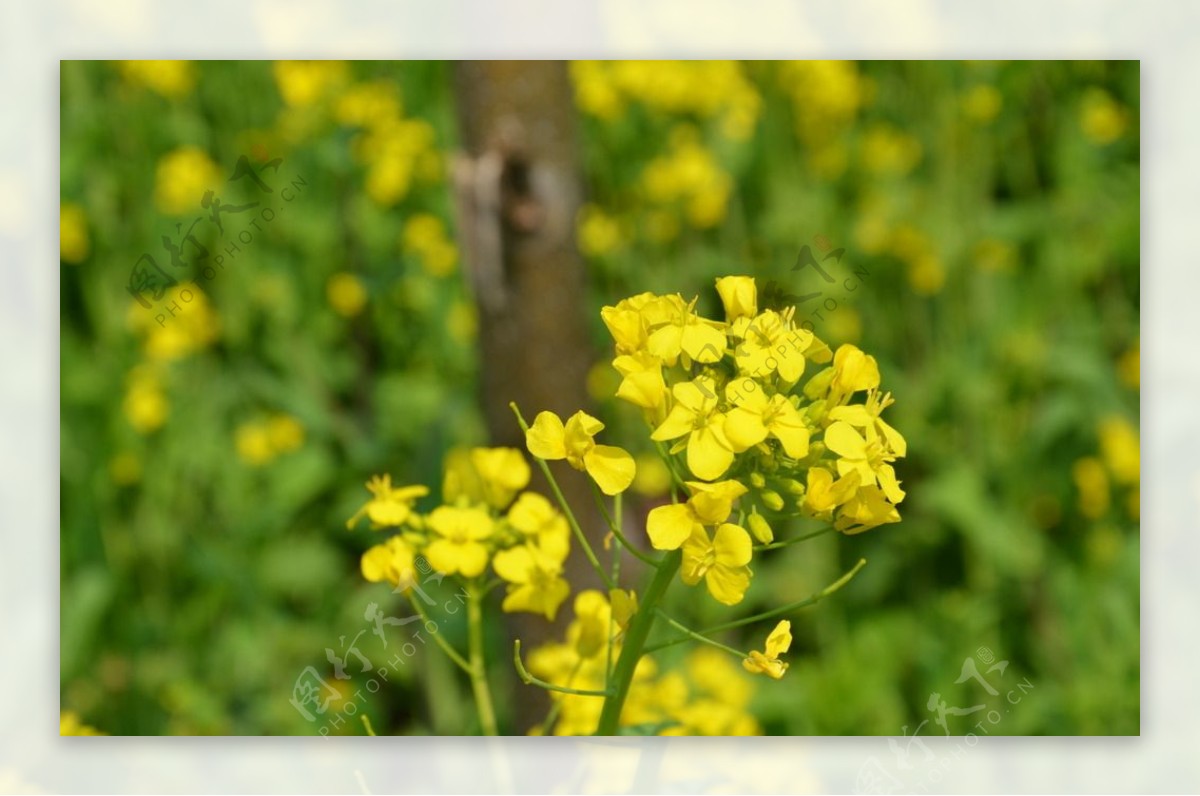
[988, 214]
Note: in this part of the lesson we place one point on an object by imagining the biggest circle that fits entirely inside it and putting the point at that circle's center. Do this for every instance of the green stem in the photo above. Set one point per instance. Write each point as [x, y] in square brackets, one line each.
[451, 653]
[479, 684]
[556, 707]
[816, 598]
[798, 539]
[635, 640]
[692, 634]
[566, 508]
[615, 527]
[529, 679]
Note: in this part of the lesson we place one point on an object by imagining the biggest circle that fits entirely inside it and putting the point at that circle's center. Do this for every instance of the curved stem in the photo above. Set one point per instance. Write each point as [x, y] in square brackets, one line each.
[566, 508]
[816, 598]
[635, 640]
[451, 653]
[692, 634]
[615, 527]
[529, 679]
[479, 684]
[798, 539]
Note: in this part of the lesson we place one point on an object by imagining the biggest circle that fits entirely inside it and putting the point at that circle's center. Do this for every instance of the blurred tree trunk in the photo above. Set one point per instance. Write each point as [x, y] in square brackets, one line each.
[518, 189]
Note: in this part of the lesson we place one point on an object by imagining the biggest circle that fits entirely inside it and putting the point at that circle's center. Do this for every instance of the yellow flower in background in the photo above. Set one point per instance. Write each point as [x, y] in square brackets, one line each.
[397, 154]
[853, 371]
[171, 79]
[458, 545]
[346, 294]
[253, 444]
[588, 634]
[721, 561]
[484, 475]
[826, 96]
[695, 416]
[624, 606]
[73, 240]
[1103, 119]
[871, 459]
[982, 103]
[755, 416]
[823, 494]
[285, 433]
[368, 104]
[768, 662]
[462, 322]
[389, 506]
[598, 232]
[542, 525]
[710, 504]
[927, 275]
[1121, 449]
[145, 404]
[689, 176]
[425, 237]
[550, 439]
[1092, 482]
[535, 582]
[653, 477]
[304, 83]
[390, 561]
[183, 323]
[181, 178]
[886, 150]
[69, 723]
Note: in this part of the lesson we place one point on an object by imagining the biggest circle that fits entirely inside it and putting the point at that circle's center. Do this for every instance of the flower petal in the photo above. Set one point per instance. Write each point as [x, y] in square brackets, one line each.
[744, 428]
[728, 585]
[732, 545]
[611, 468]
[709, 453]
[514, 565]
[546, 438]
[679, 422]
[669, 526]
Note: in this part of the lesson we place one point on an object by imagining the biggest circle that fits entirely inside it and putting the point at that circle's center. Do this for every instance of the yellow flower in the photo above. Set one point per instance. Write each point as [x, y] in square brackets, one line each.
[853, 371]
[867, 417]
[823, 494]
[772, 345]
[695, 415]
[346, 294]
[285, 433]
[425, 237]
[145, 404]
[73, 243]
[459, 548]
[866, 508]
[670, 526]
[721, 561]
[739, 297]
[868, 458]
[768, 662]
[686, 332]
[171, 79]
[643, 383]
[1102, 118]
[541, 524]
[755, 417]
[390, 506]
[610, 467]
[624, 606]
[534, 578]
[982, 103]
[181, 178]
[588, 634]
[503, 472]
[598, 232]
[368, 104]
[760, 529]
[390, 561]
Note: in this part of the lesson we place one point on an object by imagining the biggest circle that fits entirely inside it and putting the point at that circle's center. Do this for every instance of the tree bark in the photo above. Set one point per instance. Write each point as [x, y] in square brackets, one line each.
[518, 189]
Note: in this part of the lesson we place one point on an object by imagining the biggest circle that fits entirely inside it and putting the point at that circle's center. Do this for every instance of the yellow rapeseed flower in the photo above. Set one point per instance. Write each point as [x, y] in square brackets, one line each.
[181, 179]
[171, 79]
[389, 506]
[710, 504]
[535, 582]
[458, 545]
[721, 561]
[610, 467]
[73, 241]
[768, 662]
[346, 294]
[390, 561]
[695, 415]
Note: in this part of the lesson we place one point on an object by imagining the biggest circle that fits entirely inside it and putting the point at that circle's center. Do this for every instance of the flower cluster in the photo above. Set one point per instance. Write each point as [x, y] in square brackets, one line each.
[751, 422]
[706, 696]
[486, 518]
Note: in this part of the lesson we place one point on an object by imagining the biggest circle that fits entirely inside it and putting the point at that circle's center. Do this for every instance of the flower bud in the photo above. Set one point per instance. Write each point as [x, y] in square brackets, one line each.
[739, 295]
[757, 481]
[760, 529]
[771, 500]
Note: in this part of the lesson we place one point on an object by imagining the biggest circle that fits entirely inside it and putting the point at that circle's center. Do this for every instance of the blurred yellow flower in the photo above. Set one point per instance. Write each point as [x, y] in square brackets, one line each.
[389, 506]
[688, 175]
[171, 79]
[145, 405]
[535, 582]
[994, 255]
[1121, 449]
[599, 233]
[1102, 118]
[181, 178]
[462, 322]
[285, 433]
[69, 723]
[253, 444]
[886, 150]
[653, 477]
[73, 240]
[826, 96]
[391, 561]
[304, 83]
[346, 294]
[368, 104]
[982, 103]
[457, 546]
[425, 237]
[181, 324]
[125, 469]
